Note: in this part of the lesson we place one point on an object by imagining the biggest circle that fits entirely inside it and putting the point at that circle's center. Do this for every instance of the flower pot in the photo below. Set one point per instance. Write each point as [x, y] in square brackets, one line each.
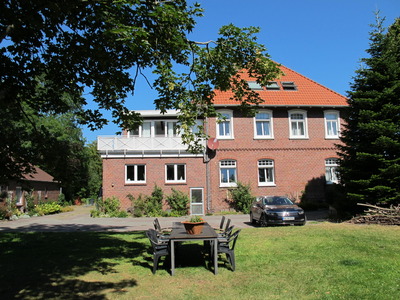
[193, 228]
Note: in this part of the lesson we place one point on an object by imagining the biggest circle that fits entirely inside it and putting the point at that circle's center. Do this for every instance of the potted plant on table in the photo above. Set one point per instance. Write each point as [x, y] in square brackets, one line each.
[194, 225]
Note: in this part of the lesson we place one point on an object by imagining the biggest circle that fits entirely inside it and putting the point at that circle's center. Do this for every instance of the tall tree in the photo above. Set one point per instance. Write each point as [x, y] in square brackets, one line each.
[95, 169]
[99, 47]
[370, 167]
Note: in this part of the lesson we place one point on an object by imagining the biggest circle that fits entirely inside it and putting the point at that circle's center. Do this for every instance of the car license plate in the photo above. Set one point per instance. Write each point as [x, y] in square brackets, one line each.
[288, 218]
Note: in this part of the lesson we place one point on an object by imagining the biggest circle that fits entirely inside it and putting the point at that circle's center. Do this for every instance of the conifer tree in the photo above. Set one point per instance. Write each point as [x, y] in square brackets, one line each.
[370, 165]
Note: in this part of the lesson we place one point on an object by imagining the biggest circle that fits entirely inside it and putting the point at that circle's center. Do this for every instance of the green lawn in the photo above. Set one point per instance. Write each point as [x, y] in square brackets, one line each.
[319, 261]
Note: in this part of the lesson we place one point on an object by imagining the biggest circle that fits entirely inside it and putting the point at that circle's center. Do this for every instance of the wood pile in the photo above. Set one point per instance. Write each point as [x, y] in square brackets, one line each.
[378, 215]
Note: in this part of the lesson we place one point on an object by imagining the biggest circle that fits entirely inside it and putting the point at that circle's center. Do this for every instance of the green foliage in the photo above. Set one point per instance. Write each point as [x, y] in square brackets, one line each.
[370, 166]
[47, 208]
[50, 68]
[30, 202]
[108, 208]
[94, 170]
[149, 206]
[328, 261]
[62, 200]
[179, 202]
[196, 219]
[241, 197]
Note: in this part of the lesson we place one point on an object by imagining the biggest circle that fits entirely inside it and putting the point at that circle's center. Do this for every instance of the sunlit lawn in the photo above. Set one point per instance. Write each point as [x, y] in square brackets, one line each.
[319, 261]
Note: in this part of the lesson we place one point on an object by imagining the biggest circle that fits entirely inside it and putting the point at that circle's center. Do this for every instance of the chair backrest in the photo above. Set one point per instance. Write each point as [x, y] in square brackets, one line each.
[233, 239]
[157, 225]
[227, 224]
[228, 231]
[221, 225]
[152, 235]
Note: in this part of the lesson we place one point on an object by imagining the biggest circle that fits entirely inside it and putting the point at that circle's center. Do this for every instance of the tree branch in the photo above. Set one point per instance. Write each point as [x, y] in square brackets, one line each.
[6, 32]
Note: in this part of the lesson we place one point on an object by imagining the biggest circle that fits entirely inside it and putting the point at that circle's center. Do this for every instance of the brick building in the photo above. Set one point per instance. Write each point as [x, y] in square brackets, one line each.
[41, 184]
[286, 149]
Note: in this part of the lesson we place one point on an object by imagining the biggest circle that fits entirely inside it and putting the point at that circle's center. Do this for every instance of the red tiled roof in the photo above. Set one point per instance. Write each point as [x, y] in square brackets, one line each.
[308, 93]
[39, 175]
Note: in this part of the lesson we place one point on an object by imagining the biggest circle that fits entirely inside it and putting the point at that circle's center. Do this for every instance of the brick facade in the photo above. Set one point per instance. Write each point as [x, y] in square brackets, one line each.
[298, 163]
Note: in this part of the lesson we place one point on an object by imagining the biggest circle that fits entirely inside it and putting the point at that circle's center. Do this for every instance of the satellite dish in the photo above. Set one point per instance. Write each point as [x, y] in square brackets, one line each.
[213, 144]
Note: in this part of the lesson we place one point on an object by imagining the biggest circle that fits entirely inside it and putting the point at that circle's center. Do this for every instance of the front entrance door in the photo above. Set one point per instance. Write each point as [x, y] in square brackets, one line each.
[196, 201]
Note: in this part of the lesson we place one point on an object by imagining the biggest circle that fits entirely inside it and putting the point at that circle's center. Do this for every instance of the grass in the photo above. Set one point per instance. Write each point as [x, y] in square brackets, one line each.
[324, 261]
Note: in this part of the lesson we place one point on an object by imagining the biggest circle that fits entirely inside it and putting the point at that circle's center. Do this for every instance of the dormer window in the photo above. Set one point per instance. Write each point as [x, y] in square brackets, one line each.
[273, 85]
[289, 86]
[254, 86]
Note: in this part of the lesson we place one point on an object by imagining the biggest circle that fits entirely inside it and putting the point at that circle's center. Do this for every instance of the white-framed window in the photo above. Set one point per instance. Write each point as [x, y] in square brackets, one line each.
[298, 124]
[266, 172]
[331, 173]
[228, 176]
[253, 85]
[263, 125]
[175, 173]
[135, 173]
[225, 125]
[332, 124]
[157, 128]
[272, 85]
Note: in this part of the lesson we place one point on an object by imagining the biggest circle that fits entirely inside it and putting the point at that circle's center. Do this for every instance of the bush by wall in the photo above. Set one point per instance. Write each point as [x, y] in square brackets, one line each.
[241, 197]
[179, 203]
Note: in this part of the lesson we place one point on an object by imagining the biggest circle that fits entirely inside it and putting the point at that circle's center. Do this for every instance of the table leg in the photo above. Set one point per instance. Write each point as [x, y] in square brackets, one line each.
[216, 256]
[172, 257]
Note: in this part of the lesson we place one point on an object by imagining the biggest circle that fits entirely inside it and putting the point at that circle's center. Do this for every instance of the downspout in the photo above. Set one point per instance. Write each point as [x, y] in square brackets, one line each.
[208, 179]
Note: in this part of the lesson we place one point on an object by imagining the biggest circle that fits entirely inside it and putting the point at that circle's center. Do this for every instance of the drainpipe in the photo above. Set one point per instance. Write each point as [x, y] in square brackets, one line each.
[208, 179]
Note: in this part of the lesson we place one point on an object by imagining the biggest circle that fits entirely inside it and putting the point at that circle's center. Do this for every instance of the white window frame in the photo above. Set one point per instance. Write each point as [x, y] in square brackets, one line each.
[175, 170]
[226, 164]
[151, 129]
[255, 86]
[266, 165]
[298, 121]
[269, 120]
[329, 123]
[331, 174]
[228, 122]
[135, 173]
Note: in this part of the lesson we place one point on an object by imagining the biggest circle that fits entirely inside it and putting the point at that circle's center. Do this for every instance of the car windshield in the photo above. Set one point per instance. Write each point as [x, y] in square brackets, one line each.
[277, 201]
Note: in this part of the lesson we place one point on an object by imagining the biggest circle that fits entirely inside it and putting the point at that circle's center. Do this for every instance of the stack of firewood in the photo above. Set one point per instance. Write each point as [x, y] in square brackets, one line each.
[378, 215]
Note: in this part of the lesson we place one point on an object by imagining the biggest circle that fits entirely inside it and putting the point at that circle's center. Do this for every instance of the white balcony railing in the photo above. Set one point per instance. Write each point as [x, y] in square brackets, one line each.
[114, 144]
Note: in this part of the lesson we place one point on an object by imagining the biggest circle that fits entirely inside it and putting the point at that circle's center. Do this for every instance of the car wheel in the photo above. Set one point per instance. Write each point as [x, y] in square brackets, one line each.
[252, 219]
[263, 221]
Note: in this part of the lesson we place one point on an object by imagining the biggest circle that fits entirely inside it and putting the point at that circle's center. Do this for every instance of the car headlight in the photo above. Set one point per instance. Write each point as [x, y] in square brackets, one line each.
[301, 212]
[270, 213]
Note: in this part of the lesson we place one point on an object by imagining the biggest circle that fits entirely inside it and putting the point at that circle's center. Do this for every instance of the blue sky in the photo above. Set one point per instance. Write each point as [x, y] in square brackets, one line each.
[321, 39]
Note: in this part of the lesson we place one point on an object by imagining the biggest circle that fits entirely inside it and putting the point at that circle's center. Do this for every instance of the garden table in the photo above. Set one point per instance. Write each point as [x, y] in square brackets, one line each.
[179, 234]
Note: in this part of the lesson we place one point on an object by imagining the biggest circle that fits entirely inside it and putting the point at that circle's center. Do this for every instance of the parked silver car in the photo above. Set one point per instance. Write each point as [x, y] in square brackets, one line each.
[276, 210]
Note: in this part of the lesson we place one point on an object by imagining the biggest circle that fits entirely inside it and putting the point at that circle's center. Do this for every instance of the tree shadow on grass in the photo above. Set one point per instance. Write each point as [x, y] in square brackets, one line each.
[48, 265]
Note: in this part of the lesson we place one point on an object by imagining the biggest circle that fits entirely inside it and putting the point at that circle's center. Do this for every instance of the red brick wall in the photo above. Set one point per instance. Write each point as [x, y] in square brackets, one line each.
[296, 162]
[114, 177]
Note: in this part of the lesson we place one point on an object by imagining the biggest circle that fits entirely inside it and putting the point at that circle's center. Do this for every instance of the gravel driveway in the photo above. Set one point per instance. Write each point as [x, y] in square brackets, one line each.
[80, 220]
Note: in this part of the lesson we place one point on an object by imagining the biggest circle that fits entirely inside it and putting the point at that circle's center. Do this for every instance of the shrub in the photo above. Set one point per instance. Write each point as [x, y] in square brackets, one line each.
[179, 202]
[48, 208]
[241, 197]
[150, 206]
[109, 207]
[62, 200]
[30, 202]
[3, 212]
